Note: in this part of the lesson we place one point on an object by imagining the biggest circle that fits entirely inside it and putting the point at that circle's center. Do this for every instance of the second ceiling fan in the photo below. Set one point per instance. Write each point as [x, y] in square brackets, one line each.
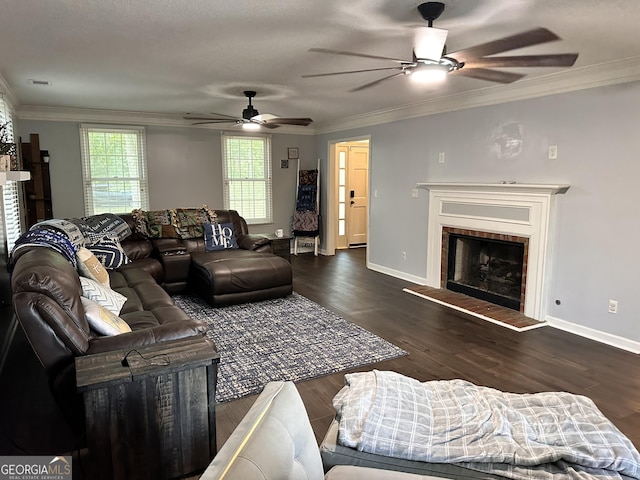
[431, 60]
[250, 118]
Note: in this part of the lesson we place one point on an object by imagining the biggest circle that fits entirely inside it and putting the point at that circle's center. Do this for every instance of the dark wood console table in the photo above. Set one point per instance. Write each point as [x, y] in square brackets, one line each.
[153, 415]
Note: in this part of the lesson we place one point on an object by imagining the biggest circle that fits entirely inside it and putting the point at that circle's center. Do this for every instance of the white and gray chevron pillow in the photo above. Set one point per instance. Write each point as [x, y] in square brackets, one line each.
[102, 295]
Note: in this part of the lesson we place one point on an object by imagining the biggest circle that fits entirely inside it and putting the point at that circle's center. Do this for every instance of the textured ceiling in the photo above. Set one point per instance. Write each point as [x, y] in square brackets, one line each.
[177, 56]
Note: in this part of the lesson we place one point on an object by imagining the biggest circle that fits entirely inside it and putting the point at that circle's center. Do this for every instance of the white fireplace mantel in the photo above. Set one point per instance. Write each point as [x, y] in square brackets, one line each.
[521, 209]
[503, 186]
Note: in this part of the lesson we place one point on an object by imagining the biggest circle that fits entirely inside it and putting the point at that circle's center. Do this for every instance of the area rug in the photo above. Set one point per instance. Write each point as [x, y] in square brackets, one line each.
[289, 338]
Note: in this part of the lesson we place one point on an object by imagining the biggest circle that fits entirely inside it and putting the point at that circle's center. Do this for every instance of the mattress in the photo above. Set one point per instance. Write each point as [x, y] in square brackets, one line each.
[335, 454]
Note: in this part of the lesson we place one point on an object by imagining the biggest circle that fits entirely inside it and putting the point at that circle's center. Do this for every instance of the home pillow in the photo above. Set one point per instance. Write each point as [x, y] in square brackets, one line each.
[110, 253]
[219, 236]
[102, 320]
[102, 295]
[89, 266]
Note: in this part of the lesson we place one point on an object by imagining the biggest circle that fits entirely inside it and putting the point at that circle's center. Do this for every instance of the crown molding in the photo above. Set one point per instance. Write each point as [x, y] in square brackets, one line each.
[609, 73]
[122, 117]
[574, 79]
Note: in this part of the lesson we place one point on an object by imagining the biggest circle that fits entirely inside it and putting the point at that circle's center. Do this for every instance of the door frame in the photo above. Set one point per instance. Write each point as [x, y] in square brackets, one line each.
[332, 191]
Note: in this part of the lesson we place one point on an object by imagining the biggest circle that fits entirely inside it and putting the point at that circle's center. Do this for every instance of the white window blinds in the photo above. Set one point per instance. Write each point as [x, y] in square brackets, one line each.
[114, 168]
[11, 224]
[247, 176]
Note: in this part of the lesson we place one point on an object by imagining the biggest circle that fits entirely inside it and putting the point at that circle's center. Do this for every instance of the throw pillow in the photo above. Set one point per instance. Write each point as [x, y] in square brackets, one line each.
[89, 266]
[219, 236]
[189, 222]
[110, 253]
[109, 299]
[159, 224]
[102, 320]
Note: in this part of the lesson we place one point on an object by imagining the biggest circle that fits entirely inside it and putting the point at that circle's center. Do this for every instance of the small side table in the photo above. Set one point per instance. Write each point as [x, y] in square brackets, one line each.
[280, 246]
[152, 416]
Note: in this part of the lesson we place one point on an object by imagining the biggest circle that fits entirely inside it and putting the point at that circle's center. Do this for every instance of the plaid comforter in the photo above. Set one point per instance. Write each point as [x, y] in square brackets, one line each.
[521, 436]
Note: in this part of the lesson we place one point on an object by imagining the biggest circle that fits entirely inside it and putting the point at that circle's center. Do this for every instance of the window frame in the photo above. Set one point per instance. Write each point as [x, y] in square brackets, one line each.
[253, 206]
[88, 180]
[11, 224]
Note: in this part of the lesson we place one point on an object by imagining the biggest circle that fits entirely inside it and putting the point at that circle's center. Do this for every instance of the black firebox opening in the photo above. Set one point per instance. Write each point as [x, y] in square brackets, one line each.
[485, 268]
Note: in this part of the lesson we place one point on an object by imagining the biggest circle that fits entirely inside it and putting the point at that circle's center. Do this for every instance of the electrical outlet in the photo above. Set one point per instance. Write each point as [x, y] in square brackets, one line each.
[553, 152]
[441, 157]
[404, 255]
[613, 306]
[414, 193]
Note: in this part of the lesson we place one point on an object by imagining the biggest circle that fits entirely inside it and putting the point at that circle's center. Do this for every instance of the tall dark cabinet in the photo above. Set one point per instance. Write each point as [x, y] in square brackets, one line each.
[37, 191]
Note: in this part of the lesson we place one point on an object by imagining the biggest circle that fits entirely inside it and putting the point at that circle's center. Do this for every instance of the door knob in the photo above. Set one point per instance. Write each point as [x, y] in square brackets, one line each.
[352, 202]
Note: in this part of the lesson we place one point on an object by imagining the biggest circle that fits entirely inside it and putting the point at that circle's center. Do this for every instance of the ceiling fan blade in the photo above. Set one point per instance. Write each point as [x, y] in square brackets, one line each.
[375, 82]
[350, 71]
[207, 122]
[551, 60]
[354, 54]
[210, 116]
[288, 121]
[486, 74]
[269, 125]
[213, 120]
[429, 43]
[519, 40]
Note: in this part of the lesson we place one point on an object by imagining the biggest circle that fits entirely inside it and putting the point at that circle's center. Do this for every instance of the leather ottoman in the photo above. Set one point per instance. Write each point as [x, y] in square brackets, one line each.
[228, 277]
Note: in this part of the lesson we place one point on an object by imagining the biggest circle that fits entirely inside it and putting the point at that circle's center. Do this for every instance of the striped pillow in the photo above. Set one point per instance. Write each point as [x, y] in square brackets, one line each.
[102, 295]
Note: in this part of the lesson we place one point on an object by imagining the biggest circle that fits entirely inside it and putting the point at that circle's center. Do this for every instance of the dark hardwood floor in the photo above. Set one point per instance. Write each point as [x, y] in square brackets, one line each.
[442, 344]
[445, 344]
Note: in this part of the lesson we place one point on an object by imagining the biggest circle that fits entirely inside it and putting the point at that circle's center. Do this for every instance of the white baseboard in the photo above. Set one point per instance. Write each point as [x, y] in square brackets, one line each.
[597, 335]
[397, 274]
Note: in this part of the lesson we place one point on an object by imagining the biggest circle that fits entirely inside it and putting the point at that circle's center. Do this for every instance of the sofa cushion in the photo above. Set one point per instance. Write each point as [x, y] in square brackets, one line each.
[219, 236]
[110, 253]
[102, 320]
[102, 295]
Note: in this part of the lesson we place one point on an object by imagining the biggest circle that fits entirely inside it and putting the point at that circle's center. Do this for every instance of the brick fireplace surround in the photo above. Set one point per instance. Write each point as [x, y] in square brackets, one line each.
[521, 211]
[446, 231]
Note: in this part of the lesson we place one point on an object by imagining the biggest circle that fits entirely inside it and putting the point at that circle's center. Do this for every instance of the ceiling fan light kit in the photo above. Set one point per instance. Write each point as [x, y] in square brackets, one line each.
[430, 60]
[429, 73]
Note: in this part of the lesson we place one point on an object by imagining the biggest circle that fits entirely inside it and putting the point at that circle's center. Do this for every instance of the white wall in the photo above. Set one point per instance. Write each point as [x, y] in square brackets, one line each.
[185, 168]
[598, 144]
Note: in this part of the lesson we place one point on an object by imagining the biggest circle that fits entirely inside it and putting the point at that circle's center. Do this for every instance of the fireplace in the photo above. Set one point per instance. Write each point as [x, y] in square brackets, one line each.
[502, 212]
[485, 265]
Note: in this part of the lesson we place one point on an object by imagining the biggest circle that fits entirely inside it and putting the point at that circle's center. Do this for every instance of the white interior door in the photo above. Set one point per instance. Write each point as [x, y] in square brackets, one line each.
[358, 195]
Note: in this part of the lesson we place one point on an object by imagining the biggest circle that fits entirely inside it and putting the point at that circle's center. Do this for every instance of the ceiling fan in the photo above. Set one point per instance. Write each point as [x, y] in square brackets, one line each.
[431, 61]
[251, 118]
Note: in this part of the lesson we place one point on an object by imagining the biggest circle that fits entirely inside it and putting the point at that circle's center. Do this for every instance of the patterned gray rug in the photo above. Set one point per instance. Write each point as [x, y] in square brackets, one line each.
[289, 338]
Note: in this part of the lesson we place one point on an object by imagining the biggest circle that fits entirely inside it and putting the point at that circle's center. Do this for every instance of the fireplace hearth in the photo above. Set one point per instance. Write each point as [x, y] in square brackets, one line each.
[487, 268]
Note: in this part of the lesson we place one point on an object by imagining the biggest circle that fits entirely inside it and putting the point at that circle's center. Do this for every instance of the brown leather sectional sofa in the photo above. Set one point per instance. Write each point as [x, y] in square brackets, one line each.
[46, 293]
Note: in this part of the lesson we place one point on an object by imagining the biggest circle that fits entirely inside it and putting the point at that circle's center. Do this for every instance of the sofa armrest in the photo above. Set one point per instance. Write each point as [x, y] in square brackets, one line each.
[169, 246]
[253, 241]
[147, 336]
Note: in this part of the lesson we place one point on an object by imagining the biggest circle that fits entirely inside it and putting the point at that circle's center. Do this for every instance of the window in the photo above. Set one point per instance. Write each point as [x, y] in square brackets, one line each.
[10, 227]
[114, 169]
[246, 169]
